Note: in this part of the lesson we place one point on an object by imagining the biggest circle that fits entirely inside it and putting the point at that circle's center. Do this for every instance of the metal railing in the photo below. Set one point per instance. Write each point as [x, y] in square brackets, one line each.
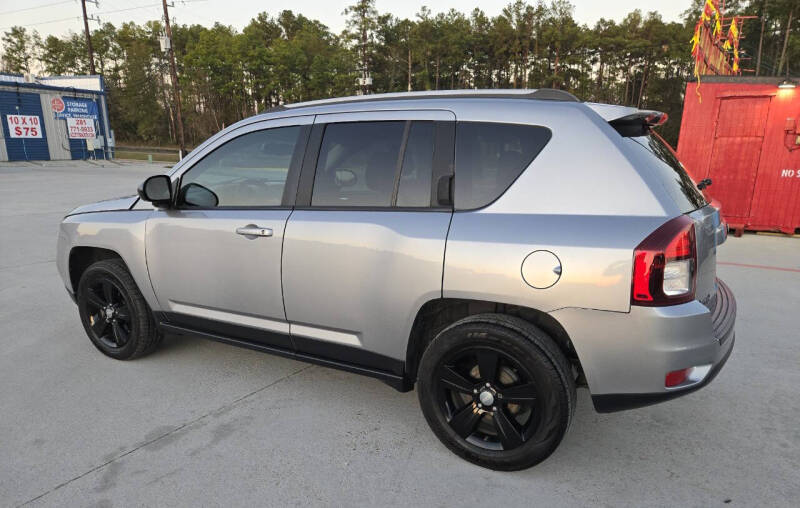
[148, 151]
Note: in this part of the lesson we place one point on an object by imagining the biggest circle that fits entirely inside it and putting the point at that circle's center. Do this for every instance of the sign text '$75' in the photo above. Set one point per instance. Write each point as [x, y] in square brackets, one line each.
[24, 126]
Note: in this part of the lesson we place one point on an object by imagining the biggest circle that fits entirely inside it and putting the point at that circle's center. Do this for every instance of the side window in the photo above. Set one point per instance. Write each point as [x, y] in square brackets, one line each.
[415, 179]
[490, 156]
[250, 170]
[357, 164]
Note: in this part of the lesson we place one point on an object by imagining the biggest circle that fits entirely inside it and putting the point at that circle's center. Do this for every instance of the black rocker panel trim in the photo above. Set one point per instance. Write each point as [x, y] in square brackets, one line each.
[339, 352]
[314, 351]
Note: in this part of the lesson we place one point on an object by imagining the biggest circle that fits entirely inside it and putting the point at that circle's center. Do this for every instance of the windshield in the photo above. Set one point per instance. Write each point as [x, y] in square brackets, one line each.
[671, 173]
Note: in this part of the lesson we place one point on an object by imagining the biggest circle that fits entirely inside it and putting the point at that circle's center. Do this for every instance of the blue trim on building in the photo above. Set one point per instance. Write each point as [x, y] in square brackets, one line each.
[51, 88]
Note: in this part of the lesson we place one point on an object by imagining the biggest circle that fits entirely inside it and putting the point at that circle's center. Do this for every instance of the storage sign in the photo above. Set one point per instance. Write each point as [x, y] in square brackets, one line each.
[24, 126]
[81, 128]
[76, 108]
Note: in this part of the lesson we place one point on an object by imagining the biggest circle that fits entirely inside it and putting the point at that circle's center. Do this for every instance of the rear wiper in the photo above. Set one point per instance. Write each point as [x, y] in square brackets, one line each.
[704, 183]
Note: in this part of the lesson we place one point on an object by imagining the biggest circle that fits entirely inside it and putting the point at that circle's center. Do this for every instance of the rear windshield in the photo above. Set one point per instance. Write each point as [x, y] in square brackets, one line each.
[671, 173]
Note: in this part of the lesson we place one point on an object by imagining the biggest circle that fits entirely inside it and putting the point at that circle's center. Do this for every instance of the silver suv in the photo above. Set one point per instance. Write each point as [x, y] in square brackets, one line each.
[497, 248]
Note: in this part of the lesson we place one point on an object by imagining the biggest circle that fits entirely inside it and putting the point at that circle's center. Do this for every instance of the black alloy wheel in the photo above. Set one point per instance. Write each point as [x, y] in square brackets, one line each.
[114, 313]
[497, 391]
[108, 312]
[488, 398]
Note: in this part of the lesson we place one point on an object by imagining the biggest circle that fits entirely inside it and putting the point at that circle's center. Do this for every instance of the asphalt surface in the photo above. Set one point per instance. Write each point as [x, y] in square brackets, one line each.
[202, 423]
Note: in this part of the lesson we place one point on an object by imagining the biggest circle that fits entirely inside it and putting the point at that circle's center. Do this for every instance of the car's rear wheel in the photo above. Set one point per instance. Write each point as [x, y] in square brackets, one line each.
[113, 311]
[497, 391]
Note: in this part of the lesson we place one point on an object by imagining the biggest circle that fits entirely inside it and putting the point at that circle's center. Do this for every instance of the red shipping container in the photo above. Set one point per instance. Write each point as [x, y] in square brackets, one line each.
[745, 136]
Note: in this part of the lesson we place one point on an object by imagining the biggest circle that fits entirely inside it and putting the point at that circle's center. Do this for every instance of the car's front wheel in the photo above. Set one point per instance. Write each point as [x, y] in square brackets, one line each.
[113, 311]
[497, 391]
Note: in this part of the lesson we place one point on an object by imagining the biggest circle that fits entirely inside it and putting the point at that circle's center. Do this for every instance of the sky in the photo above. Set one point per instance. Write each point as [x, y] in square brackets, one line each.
[59, 17]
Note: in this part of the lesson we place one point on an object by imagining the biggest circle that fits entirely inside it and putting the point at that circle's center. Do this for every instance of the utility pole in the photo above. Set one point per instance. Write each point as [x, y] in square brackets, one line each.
[365, 81]
[786, 43]
[88, 35]
[175, 87]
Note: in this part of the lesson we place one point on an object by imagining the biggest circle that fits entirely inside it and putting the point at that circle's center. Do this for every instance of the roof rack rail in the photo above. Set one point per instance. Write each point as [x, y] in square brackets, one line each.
[553, 94]
[545, 94]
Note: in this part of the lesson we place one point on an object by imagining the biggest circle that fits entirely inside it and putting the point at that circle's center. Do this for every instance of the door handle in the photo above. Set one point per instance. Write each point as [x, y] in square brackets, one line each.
[253, 230]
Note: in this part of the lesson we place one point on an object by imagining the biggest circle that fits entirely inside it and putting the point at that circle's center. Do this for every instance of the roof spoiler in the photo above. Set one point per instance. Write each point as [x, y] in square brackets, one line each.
[639, 123]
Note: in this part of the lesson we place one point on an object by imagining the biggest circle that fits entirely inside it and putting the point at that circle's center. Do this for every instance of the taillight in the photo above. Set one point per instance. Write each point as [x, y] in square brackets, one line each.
[665, 265]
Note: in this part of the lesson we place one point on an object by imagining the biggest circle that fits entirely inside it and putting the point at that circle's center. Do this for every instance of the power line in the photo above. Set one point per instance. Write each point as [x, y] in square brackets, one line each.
[35, 7]
[127, 9]
[79, 17]
[118, 6]
[100, 13]
[42, 22]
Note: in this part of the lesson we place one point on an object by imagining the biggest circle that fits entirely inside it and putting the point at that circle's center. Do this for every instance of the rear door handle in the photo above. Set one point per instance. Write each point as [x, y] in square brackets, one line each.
[253, 230]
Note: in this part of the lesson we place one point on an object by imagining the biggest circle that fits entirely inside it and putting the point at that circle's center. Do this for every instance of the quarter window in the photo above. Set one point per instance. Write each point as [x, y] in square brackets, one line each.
[490, 156]
[250, 170]
[670, 172]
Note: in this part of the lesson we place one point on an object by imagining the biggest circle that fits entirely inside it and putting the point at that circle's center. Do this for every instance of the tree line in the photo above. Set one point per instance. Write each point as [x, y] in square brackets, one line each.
[226, 75]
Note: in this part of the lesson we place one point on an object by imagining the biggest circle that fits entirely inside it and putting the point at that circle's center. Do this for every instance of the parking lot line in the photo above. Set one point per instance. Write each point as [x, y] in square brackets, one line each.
[762, 267]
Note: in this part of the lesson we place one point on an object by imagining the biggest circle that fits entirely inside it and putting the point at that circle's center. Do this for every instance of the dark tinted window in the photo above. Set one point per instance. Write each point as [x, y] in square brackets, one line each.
[357, 164]
[490, 156]
[415, 179]
[671, 173]
[250, 170]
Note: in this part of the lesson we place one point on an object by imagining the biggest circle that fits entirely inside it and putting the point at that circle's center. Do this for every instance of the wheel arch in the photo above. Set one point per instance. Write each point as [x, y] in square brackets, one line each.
[82, 257]
[435, 315]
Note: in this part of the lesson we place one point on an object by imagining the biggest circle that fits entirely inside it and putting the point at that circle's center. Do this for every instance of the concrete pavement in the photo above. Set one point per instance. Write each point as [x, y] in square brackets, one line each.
[202, 423]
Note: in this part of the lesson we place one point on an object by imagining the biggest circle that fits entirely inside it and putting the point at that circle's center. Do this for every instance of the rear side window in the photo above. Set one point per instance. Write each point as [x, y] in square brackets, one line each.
[490, 156]
[671, 173]
[357, 164]
[375, 164]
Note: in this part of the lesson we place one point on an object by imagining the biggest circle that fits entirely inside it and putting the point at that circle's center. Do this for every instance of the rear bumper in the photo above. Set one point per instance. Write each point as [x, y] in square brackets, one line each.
[610, 403]
[626, 356]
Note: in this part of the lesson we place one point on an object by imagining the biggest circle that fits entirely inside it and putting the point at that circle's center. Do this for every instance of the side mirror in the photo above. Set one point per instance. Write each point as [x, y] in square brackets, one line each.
[194, 194]
[157, 190]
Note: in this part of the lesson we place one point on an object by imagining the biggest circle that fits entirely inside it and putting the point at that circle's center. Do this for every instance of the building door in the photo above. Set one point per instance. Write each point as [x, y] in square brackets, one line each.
[736, 153]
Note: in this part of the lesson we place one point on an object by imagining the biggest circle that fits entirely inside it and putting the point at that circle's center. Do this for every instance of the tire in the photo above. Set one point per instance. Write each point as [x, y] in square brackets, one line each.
[531, 391]
[114, 313]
